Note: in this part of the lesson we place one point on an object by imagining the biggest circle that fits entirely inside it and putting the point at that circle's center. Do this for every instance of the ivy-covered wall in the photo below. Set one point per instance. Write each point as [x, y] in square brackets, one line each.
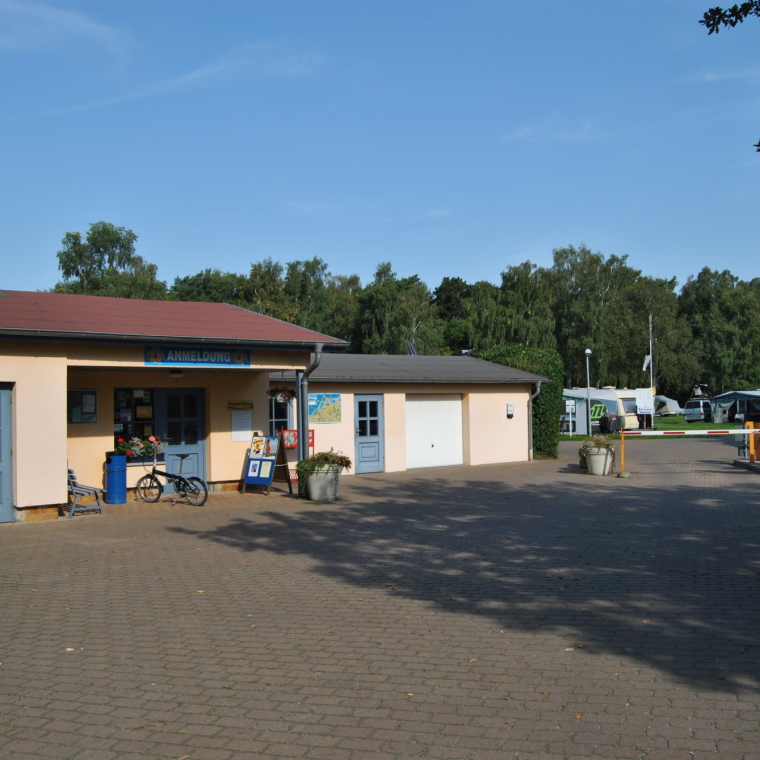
[547, 407]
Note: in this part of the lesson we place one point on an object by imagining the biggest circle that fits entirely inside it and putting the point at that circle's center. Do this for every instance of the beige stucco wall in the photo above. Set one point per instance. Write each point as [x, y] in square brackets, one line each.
[224, 457]
[39, 420]
[43, 442]
[488, 435]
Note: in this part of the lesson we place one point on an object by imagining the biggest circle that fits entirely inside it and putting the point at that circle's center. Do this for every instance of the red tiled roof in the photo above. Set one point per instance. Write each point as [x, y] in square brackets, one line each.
[96, 317]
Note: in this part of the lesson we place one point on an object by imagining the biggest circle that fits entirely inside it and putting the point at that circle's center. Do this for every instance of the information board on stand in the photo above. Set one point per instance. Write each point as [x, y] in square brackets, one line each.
[262, 457]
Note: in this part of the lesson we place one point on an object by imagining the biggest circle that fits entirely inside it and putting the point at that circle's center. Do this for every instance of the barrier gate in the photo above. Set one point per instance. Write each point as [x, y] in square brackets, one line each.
[748, 430]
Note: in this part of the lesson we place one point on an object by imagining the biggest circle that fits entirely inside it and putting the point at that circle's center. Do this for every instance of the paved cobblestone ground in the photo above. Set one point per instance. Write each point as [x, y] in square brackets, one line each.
[525, 611]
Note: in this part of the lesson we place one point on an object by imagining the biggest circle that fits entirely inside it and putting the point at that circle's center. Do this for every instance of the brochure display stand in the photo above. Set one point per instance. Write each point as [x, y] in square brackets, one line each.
[262, 457]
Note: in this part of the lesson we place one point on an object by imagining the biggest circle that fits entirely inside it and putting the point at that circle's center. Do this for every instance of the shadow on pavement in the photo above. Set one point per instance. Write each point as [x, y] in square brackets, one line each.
[656, 574]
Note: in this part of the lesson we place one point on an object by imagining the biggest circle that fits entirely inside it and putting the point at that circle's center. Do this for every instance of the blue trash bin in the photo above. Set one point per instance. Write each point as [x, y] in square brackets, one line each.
[116, 477]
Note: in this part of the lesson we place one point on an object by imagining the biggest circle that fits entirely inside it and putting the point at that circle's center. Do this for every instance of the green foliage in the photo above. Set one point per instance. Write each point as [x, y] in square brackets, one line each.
[105, 264]
[305, 287]
[343, 305]
[450, 298]
[265, 291]
[587, 288]
[211, 285]
[547, 407]
[716, 17]
[318, 461]
[628, 338]
[724, 313]
[392, 311]
[526, 293]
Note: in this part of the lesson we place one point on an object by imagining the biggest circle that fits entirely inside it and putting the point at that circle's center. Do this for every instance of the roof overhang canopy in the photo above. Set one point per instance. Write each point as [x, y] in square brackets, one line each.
[64, 316]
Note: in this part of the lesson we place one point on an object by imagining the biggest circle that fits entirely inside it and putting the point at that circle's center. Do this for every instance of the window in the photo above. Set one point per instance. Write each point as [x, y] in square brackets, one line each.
[279, 416]
[134, 412]
[629, 405]
[82, 407]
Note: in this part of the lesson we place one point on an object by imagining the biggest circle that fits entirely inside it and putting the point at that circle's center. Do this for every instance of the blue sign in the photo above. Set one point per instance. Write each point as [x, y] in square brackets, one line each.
[196, 356]
[262, 456]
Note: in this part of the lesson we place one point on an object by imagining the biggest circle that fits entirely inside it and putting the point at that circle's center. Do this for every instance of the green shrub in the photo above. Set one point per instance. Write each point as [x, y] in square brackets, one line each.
[548, 406]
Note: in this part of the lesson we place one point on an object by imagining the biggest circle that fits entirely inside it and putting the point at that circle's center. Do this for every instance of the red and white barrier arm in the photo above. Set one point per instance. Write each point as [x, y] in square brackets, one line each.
[737, 431]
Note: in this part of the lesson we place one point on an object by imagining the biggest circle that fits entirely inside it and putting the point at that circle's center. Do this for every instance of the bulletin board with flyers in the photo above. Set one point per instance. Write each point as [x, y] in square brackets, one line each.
[265, 456]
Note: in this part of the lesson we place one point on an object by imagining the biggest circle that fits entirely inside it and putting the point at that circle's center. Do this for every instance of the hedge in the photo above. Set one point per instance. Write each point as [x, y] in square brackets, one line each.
[548, 406]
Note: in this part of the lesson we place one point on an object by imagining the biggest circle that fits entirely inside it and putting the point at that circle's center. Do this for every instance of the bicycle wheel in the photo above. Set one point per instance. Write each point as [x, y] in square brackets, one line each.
[149, 488]
[196, 491]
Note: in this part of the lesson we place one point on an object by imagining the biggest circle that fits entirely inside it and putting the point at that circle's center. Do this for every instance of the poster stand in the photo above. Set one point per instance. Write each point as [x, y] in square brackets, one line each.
[260, 464]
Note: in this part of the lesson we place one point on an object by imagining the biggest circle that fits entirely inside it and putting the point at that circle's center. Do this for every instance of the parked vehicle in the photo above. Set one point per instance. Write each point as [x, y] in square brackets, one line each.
[697, 410]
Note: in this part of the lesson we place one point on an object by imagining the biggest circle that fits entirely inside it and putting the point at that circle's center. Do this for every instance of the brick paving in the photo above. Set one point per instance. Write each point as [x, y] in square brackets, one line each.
[524, 611]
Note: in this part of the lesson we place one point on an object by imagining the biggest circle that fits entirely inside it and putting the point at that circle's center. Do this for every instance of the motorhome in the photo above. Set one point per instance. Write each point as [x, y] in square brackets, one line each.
[620, 401]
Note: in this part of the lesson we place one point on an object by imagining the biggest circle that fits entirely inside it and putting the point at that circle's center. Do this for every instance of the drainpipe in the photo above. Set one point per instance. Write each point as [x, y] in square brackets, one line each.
[530, 420]
[302, 388]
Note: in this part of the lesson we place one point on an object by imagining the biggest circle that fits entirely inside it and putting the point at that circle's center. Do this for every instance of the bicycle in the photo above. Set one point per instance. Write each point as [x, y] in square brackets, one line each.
[193, 489]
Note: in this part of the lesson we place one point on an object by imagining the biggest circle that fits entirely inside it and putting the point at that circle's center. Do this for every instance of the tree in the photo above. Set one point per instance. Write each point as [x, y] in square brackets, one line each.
[676, 366]
[587, 288]
[527, 297]
[487, 320]
[265, 291]
[343, 305]
[305, 287]
[730, 17]
[724, 314]
[211, 285]
[105, 264]
[450, 299]
[393, 310]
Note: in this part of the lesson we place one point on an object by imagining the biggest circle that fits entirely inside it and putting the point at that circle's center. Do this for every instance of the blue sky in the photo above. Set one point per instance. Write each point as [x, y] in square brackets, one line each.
[449, 138]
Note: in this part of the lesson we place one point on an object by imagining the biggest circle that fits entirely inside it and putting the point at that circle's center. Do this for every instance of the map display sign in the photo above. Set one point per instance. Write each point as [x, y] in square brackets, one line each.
[324, 407]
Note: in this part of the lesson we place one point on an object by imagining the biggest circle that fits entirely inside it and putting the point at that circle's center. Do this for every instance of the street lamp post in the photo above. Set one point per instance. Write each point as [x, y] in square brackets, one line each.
[588, 394]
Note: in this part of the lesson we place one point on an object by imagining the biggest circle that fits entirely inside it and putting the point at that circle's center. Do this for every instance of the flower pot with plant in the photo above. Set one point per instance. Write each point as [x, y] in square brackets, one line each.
[319, 475]
[597, 455]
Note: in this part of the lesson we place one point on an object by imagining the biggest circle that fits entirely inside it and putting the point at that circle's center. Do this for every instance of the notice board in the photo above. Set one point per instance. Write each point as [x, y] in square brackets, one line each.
[259, 469]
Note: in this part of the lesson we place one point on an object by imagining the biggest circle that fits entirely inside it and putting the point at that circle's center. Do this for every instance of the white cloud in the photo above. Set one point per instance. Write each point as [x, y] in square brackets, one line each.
[264, 58]
[750, 72]
[28, 25]
[554, 130]
[257, 58]
[354, 211]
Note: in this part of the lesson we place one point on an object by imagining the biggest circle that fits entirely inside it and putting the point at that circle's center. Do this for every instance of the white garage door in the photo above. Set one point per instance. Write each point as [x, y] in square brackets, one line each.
[433, 430]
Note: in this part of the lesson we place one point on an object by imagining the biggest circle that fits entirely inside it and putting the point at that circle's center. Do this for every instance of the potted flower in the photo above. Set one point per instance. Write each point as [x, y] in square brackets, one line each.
[597, 454]
[320, 473]
[139, 449]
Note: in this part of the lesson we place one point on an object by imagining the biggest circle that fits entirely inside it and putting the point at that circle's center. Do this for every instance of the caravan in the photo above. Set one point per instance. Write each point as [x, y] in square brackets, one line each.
[621, 402]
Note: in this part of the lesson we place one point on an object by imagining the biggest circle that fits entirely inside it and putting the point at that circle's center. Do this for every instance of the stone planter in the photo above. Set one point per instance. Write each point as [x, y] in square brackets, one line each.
[599, 461]
[322, 484]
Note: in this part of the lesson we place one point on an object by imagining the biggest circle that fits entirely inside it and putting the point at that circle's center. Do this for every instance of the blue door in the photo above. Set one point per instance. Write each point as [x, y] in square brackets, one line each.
[370, 447]
[6, 454]
[179, 420]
